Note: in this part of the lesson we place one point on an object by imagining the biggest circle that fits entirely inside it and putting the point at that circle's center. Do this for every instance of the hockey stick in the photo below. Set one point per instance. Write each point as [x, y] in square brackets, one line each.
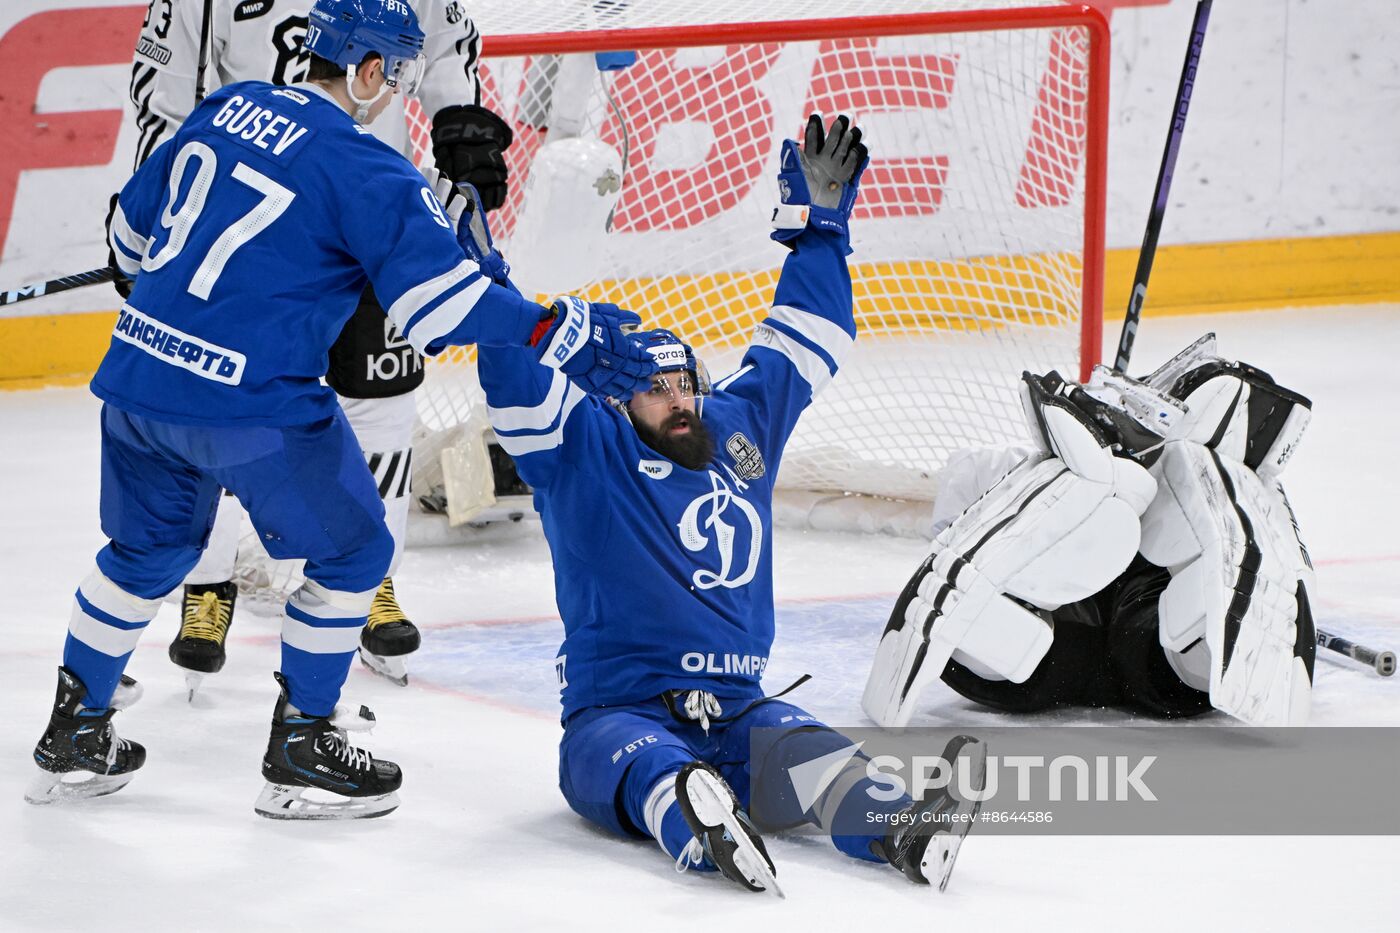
[1164, 184]
[53, 286]
[205, 27]
[1382, 661]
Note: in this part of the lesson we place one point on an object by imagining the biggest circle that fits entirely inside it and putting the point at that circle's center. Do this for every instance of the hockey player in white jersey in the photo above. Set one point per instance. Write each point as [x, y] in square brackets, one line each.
[1142, 556]
[249, 237]
[658, 514]
[373, 369]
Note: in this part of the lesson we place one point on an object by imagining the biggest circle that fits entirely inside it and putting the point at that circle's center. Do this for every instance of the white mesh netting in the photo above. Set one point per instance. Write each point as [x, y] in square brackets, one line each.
[969, 236]
[652, 186]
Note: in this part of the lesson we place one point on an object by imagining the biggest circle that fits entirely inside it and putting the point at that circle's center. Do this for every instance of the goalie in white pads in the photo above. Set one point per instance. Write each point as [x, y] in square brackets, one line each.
[1144, 555]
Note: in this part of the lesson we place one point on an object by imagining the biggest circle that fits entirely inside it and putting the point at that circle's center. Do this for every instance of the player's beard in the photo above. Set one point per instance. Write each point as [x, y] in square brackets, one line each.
[692, 450]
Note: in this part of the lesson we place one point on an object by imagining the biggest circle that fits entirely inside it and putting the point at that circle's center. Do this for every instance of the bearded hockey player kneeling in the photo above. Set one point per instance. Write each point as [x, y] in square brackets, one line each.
[1144, 556]
[657, 509]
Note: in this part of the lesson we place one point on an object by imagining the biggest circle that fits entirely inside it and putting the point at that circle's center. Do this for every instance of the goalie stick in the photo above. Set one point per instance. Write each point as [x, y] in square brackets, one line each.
[1164, 184]
[1382, 661]
[53, 286]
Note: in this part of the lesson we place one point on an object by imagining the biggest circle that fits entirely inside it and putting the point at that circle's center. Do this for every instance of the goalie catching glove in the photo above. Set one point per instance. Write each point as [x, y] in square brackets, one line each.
[1058, 528]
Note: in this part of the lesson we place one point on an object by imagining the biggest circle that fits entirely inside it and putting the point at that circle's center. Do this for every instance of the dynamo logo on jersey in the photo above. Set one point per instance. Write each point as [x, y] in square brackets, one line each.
[706, 513]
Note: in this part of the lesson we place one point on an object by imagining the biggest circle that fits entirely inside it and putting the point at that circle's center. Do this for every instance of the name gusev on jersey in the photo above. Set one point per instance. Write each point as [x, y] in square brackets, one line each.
[254, 230]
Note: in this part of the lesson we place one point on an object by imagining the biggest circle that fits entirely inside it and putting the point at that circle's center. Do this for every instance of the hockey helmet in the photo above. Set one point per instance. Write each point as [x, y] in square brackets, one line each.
[672, 355]
[343, 32]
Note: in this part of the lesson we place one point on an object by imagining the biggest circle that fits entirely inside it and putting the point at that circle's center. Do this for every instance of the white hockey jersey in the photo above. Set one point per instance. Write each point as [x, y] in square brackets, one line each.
[260, 40]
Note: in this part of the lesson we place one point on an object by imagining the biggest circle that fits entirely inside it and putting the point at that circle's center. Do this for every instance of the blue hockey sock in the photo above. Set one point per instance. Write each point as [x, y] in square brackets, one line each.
[662, 816]
[103, 629]
[320, 634]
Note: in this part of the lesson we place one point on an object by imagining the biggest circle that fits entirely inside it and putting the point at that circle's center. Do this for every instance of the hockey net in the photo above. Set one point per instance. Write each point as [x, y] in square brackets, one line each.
[978, 235]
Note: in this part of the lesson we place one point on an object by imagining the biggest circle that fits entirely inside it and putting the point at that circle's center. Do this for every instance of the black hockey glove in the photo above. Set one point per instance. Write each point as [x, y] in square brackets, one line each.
[120, 282]
[469, 144]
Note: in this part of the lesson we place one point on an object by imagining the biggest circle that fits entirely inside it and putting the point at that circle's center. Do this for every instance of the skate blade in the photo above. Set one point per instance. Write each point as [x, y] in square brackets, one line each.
[47, 787]
[942, 853]
[392, 669]
[288, 802]
[193, 679]
[714, 806]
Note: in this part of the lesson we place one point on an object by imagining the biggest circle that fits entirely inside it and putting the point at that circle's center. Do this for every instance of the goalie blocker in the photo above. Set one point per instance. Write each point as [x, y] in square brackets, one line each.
[1212, 609]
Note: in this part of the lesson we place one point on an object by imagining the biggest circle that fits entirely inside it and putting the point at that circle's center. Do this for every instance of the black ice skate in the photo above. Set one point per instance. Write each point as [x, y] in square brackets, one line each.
[207, 613]
[81, 744]
[388, 636]
[306, 753]
[723, 833]
[926, 844]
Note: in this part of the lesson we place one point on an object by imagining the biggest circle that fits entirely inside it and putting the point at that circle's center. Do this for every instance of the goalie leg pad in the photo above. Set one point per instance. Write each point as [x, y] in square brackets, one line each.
[932, 619]
[1234, 408]
[1238, 582]
[1050, 532]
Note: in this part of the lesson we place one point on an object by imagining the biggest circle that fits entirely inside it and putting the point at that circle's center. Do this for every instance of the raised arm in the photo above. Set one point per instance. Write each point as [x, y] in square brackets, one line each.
[798, 347]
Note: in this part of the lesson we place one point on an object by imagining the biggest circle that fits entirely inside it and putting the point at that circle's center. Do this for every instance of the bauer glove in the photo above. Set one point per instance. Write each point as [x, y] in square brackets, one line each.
[819, 182]
[591, 344]
[469, 144]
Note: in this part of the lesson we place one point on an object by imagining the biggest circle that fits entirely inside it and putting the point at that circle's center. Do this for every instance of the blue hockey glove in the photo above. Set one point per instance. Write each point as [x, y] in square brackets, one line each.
[464, 211]
[818, 183]
[591, 344]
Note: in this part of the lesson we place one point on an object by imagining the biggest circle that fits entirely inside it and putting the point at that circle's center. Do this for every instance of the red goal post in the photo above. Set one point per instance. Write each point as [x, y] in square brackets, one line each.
[979, 238]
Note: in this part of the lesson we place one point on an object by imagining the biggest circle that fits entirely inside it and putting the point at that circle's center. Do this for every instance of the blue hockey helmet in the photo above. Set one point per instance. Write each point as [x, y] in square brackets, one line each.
[672, 355]
[343, 32]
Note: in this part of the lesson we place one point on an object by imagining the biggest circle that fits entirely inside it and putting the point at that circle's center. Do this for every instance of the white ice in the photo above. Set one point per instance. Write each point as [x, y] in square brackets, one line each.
[485, 841]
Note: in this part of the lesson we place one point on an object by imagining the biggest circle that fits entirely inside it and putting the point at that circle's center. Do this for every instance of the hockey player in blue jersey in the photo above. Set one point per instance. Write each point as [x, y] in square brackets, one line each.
[250, 235]
[658, 517]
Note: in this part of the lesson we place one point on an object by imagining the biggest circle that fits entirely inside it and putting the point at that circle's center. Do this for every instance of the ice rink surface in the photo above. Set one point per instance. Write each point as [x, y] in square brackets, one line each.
[484, 841]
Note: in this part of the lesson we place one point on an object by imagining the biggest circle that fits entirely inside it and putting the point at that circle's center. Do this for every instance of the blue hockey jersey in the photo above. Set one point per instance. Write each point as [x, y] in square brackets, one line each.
[663, 575]
[251, 234]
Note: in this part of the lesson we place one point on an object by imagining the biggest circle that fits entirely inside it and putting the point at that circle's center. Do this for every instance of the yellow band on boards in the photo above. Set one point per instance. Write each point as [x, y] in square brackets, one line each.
[38, 350]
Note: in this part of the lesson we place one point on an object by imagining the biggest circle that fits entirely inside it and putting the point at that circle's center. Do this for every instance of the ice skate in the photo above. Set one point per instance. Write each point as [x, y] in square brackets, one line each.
[314, 773]
[926, 845]
[723, 833]
[388, 637]
[80, 755]
[207, 613]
